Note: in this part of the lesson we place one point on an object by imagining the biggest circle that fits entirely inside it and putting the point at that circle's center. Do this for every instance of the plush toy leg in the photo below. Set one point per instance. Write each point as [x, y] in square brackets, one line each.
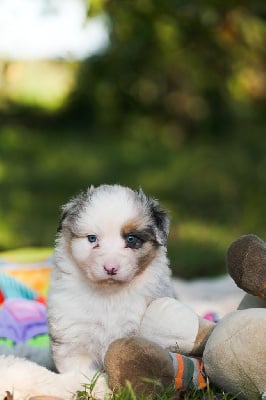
[175, 326]
[149, 368]
[234, 356]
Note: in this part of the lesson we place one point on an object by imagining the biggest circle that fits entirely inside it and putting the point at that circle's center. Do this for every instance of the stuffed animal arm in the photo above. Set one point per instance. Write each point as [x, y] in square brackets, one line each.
[246, 263]
[186, 334]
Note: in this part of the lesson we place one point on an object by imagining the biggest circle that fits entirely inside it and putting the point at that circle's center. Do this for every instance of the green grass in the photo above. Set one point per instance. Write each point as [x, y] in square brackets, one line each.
[169, 394]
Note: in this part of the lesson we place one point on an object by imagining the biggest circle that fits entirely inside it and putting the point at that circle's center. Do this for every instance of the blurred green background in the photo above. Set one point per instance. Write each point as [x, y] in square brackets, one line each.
[174, 104]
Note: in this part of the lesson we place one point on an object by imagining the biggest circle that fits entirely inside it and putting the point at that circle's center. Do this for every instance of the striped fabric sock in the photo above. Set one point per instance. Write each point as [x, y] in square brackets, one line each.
[189, 372]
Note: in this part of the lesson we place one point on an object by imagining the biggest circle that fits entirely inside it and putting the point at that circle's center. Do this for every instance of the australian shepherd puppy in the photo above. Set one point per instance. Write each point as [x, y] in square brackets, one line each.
[111, 263]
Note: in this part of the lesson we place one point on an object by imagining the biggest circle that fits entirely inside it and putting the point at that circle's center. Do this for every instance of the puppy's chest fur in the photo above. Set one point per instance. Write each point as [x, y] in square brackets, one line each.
[85, 320]
[109, 318]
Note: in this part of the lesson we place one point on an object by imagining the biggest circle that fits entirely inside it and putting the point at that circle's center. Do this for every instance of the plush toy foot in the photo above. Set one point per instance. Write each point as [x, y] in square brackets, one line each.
[149, 368]
[144, 364]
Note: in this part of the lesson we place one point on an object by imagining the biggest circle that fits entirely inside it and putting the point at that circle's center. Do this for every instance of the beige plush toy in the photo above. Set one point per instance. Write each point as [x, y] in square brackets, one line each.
[234, 357]
[233, 351]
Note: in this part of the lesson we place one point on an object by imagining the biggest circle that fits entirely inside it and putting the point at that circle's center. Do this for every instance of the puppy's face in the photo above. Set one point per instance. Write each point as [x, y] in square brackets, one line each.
[113, 233]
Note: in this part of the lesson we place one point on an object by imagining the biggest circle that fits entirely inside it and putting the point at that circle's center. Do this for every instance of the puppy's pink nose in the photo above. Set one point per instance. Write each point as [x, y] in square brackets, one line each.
[111, 268]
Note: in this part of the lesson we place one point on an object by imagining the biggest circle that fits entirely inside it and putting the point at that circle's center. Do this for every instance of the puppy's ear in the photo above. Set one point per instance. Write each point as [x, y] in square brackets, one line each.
[64, 214]
[141, 194]
[159, 216]
[60, 224]
[74, 206]
[90, 189]
[161, 219]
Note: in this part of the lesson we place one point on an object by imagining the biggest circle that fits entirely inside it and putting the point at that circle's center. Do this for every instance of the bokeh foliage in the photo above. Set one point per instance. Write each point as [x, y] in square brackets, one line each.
[187, 67]
[174, 104]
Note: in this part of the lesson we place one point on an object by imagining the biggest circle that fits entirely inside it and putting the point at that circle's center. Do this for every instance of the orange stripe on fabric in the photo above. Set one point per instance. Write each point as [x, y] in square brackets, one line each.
[201, 379]
[180, 371]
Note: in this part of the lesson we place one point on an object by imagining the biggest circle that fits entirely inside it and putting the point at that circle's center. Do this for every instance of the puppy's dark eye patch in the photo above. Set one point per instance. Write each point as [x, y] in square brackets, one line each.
[133, 241]
[136, 238]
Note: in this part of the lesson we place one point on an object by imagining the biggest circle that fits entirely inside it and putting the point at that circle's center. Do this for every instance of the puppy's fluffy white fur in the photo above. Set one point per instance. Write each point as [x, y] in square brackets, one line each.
[25, 379]
[110, 264]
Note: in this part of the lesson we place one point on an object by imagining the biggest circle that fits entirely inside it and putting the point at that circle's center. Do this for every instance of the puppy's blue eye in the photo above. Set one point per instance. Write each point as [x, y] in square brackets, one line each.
[131, 240]
[92, 238]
